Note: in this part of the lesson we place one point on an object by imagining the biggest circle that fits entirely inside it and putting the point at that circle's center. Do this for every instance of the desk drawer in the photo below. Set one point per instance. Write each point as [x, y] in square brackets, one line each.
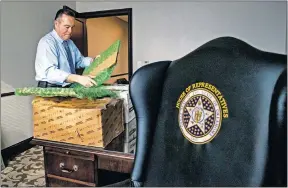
[70, 165]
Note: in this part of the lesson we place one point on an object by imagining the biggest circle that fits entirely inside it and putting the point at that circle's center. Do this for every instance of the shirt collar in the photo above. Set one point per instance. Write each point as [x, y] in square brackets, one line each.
[55, 34]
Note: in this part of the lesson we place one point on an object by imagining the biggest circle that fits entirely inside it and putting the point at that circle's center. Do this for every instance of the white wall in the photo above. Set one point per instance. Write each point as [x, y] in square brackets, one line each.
[22, 25]
[16, 118]
[170, 30]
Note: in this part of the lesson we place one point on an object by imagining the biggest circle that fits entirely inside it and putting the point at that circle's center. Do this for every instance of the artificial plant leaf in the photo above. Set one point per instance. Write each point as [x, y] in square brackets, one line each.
[45, 92]
[103, 66]
[90, 93]
[107, 59]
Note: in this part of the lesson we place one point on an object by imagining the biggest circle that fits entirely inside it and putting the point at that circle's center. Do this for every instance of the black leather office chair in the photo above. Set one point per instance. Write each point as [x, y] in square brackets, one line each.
[216, 117]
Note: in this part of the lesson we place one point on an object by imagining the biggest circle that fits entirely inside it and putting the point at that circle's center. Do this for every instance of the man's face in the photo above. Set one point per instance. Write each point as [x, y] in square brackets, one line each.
[64, 26]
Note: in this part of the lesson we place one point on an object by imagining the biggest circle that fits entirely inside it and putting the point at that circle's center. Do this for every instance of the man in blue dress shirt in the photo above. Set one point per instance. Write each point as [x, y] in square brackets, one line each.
[57, 56]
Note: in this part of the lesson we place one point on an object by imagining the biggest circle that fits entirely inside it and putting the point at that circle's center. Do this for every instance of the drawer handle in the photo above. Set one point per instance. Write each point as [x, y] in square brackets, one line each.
[75, 168]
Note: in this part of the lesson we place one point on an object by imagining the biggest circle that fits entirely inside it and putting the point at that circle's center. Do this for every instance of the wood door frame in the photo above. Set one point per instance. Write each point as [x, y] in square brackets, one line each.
[106, 13]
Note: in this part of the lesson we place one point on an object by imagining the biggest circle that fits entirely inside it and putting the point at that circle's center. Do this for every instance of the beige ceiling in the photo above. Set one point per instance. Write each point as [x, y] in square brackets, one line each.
[124, 18]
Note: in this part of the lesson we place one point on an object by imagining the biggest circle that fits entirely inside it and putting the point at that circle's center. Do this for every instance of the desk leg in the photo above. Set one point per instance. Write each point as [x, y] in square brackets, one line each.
[96, 171]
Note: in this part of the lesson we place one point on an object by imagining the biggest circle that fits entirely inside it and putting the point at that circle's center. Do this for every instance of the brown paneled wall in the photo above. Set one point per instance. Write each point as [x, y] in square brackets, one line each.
[102, 32]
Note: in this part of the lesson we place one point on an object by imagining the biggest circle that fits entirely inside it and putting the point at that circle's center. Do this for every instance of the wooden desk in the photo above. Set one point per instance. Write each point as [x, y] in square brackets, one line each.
[78, 166]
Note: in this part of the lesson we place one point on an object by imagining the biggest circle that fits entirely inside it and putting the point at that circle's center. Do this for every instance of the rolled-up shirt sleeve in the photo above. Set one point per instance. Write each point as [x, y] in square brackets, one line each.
[46, 63]
[81, 61]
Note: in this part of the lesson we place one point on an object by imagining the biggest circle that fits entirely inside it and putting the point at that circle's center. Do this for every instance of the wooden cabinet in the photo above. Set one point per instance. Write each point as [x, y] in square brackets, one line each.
[70, 164]
[78, 166]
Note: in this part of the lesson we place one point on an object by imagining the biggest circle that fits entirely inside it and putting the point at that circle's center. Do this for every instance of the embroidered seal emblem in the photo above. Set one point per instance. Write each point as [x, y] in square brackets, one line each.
[201, 110]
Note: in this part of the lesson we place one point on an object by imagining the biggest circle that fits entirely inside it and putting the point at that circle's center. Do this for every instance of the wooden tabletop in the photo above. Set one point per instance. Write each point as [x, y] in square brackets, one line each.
[107, 159]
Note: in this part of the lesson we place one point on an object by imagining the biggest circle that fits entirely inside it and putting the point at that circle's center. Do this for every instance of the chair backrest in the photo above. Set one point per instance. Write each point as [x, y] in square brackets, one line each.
[216, 117]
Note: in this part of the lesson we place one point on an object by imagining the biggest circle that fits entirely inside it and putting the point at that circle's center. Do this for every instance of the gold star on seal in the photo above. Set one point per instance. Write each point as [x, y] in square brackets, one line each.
[198, 115]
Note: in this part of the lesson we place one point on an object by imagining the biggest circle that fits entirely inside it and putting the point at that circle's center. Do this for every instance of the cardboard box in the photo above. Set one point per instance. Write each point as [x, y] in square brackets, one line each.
[129, 116]
[130, 147]
[117, 144]
[128, 107]
[123, 93]
[78, 121]
[130, 131]
[130, 137]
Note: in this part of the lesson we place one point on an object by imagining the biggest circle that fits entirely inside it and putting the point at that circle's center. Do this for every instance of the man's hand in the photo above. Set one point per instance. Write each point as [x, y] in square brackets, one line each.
[96, 57]
[93, 59]
[86, 81]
